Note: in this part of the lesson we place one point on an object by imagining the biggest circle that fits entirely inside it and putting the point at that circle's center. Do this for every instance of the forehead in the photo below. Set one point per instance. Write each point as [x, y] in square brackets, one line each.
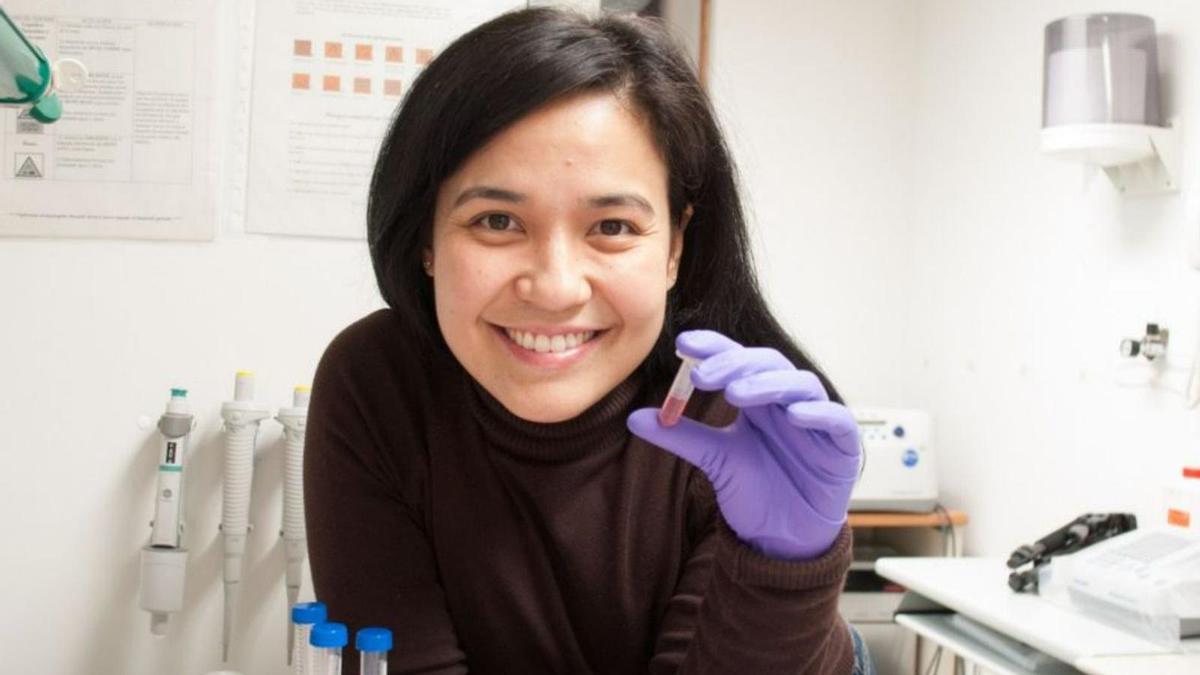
[581, 140]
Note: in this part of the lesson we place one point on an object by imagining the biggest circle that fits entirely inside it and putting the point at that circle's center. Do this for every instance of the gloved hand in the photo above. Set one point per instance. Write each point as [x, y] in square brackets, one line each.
[784, 469]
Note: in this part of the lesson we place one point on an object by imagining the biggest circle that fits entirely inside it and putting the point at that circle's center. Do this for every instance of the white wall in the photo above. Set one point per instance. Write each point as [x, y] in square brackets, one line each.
[816, 100]
[96, 333]
[1027, 277]
[912, 236]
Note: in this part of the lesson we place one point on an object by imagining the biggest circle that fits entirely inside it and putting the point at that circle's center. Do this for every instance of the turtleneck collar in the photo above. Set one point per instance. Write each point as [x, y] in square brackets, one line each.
[599, 428]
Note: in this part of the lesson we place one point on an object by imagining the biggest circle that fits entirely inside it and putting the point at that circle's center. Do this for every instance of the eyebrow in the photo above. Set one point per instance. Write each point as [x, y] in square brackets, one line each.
[597, 202]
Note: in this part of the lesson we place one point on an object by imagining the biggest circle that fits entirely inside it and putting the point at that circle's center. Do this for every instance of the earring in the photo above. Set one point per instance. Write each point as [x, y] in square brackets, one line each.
[427, 264]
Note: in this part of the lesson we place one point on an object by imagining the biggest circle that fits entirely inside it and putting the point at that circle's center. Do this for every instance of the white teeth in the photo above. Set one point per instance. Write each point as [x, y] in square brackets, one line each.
[546, 343]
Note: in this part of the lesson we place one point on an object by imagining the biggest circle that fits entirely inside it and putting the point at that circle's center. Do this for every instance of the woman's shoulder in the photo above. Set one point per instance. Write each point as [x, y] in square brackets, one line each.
[378, 342]
[369, 399]
[378, 362]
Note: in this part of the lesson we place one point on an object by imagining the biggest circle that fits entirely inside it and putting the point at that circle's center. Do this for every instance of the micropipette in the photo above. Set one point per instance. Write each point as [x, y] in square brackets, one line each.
[242, 416]
[681, 391]
[174, 425]
[164, 559]
[293, 421]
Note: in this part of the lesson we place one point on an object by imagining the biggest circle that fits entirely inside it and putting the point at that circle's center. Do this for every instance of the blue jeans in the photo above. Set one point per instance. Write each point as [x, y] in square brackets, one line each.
[862, 658]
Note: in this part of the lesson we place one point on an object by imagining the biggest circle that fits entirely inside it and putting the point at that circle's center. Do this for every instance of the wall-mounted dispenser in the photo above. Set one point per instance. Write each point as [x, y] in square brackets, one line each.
[1101, 104]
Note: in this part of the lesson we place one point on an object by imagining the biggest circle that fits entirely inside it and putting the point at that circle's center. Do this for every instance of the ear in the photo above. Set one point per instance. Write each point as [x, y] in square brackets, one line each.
[677, 246]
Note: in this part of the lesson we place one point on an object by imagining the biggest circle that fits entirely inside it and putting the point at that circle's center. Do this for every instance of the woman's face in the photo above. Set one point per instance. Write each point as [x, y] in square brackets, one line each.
[552, 255]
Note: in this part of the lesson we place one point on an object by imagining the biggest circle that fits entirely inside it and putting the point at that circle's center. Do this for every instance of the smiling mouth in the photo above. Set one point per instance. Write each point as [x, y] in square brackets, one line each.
[549, 344]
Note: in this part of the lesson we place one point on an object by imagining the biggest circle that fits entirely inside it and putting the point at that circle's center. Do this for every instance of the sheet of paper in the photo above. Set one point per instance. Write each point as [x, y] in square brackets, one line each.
[328, 75]
[132, 155]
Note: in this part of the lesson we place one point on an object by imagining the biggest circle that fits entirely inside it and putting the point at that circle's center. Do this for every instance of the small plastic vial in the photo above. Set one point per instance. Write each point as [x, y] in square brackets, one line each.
[373, 645]
[304, 616]
[327, 641]
[681, 391]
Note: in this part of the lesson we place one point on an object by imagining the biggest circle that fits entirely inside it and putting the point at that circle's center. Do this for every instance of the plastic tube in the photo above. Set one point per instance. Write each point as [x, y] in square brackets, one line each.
[373, 645]
[327, 641]
[681, 391]
[305, 615]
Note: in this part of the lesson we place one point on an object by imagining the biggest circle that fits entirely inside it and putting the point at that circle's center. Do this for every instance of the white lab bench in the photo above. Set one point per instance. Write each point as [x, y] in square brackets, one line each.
[977, 588]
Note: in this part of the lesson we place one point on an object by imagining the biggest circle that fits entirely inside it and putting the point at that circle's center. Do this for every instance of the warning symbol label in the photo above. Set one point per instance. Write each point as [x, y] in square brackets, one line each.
[29, 165]
[27, 125]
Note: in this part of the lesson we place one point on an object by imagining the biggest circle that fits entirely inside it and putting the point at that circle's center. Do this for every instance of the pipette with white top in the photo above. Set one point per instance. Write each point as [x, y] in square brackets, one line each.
[293, 420]
[242, 416]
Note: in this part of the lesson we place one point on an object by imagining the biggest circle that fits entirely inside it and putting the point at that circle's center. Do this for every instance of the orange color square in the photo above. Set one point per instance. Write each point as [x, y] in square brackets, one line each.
[302, 47]
[424, 56]
[332, 83]
[300, 81]
[393, 54]
[1179, 517]
[333, 50]
[364, 52]
[362, 85]
[392, 88]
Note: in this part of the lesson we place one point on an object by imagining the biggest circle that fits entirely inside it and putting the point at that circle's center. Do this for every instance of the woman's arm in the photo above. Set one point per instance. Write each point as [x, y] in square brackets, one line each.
[370, 557]
[737, 611]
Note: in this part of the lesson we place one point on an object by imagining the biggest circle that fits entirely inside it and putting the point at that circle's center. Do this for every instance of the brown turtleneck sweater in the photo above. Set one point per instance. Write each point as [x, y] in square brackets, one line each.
[492, 545]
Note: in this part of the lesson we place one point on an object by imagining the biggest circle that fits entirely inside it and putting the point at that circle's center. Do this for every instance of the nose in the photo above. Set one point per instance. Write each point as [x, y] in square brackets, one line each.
[555, 279]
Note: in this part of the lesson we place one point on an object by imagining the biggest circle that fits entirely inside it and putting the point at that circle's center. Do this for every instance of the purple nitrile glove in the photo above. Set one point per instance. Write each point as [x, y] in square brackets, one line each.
[784, 469]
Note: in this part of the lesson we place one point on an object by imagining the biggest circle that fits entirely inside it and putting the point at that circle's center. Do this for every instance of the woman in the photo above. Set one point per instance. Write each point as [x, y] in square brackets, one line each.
[553, 214]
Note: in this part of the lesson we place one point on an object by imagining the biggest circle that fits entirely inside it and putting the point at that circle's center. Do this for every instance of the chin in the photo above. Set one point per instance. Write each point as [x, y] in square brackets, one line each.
[546, 409]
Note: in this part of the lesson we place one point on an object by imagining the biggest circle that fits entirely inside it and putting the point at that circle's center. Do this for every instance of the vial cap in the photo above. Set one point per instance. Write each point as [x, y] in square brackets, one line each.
[373, 640]
[309, 612]
[179, 393]
[1191, 472]
[328, 635]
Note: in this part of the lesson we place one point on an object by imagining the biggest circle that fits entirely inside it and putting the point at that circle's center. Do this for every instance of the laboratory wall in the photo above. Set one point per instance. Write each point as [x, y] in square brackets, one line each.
[1027, 272]
[816, 98]
[914, 238]
[93, 335]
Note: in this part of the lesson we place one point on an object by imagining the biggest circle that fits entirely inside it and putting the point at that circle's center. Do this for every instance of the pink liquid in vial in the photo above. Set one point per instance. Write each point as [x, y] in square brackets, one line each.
[671, 411]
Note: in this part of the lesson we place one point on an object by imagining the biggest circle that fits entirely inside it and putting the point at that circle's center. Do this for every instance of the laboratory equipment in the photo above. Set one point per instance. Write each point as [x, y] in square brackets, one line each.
[899, 472]
[1151, 346]
[295, 547]
[27, 78]
[305, 615]
[1145, 581]
[1084, 531]
[681, 391]
[373, 645]
[327, 641]
[1101, 102]
[164, 559]
[242, 416]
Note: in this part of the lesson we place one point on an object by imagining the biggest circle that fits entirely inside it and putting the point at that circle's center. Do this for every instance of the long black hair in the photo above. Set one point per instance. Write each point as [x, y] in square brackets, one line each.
[512, 65]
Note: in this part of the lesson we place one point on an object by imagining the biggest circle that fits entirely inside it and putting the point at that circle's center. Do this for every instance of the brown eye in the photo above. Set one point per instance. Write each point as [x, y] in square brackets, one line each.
[497, 221]
[612, 228]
